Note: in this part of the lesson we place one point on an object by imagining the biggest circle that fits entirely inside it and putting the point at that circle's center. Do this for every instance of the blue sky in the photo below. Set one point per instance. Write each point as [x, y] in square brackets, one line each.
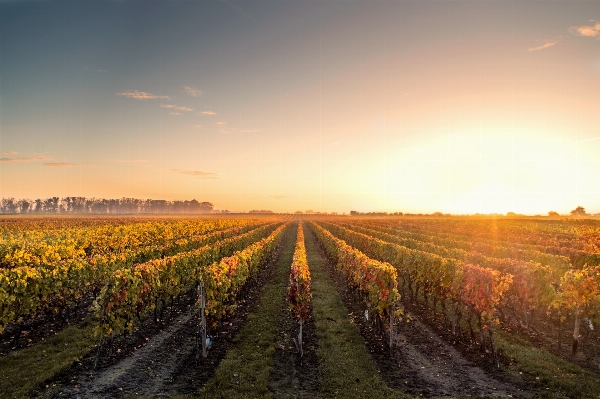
[417, 106]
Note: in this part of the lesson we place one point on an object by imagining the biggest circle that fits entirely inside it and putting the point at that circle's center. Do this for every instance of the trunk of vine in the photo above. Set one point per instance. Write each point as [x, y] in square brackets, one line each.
[471, 327]
[443, 302]
[17, 334]
[155, 311]
[416, 296]
[494, 347]
[575, 333]
[482, 332]
[300, 339]
[453, 317]
[559, 334]
[526, 318]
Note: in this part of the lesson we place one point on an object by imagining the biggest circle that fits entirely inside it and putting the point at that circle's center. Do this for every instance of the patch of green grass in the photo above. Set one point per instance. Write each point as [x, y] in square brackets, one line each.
[563, 379]
[346, 370]
[245, 370]
[27, 369]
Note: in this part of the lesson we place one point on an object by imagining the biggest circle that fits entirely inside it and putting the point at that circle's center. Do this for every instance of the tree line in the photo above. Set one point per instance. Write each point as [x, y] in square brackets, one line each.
[56, 205]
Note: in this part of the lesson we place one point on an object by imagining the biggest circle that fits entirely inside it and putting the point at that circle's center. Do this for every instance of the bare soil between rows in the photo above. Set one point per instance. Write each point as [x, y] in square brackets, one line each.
[294, 376]
[32, 331]
[159, 359]
[427, 360]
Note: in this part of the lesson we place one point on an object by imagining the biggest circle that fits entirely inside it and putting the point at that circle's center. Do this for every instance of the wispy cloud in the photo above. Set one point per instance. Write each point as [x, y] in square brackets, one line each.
[142, 95]
[238, 9]
[543, 46]
[235, 130]
[175, 113]
[588, 140]
[62, 164]
[133, 161]
[197, 173]
[192, 92]
[209, 113]
[176, 107]
[23, 159]
[225, 129]
[9, 153]
[586, 30]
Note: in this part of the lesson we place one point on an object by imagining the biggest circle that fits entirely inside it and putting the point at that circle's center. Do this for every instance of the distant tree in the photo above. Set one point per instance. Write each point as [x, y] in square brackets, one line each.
[354, 213]
[206, 207]
[579, 211]
[299, 212]
[24, 206]
[8, 205]
[553, 213]
[38, 205]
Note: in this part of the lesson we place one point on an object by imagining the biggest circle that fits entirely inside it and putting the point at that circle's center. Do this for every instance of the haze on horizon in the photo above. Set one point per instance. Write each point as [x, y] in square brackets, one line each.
[414, 106]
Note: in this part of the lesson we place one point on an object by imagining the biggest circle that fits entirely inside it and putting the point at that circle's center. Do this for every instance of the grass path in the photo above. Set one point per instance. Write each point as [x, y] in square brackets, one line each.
[346, 369]
[25, 370]
[245, 370]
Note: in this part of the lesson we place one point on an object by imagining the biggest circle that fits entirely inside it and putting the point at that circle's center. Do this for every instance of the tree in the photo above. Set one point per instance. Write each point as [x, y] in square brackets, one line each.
[8, 205]
[553, 213]
[579, 211]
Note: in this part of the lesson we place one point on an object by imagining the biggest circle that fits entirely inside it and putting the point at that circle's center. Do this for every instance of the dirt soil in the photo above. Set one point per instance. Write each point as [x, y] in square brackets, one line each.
[18, 336]
[159, 358]
[425, 362]
[294, 376]
[544, 333]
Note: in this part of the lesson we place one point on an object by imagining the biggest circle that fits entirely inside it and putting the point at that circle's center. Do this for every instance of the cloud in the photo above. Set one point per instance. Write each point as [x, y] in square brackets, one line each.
[197, 173]
[176, 107]
[61, 164]
[224, 129]
[21, 159]
[175, 113]
[585, 30]
[9, 153]
[192, 92]
[587, 140]
[245, 130]
[543, 46]
[198, 126]
[209, 113]
[238, 9]
[142, 95]
[133, 161]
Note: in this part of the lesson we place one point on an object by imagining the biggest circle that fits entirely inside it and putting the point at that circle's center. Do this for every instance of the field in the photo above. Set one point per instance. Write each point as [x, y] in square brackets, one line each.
[311, 306]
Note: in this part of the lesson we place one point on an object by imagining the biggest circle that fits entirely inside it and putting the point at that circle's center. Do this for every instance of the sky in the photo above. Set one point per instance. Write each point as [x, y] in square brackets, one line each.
[330, 105]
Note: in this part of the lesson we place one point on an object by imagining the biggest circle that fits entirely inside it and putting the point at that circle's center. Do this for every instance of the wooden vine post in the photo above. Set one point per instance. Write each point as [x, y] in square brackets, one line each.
[391, 320]
[300, 321]
[202, 298]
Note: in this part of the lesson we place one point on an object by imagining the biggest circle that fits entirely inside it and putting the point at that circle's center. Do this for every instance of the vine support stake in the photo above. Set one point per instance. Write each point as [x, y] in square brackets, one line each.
[391, 320]
[300, 338]
[203, 317]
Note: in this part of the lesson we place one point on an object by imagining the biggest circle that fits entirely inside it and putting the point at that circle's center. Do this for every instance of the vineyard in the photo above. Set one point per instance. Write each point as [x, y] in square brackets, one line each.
[322, 306]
